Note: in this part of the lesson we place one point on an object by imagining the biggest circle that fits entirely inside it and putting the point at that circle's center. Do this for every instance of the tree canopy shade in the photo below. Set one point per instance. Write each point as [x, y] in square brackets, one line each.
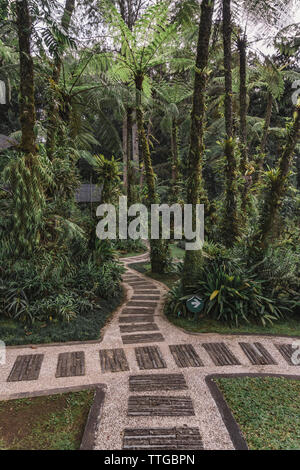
[165, 101]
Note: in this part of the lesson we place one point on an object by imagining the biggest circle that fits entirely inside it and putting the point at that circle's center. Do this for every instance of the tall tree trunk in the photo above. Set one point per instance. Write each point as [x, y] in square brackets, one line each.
[157, 247]
[53, 110]
[125, 158]
[27, 103]
[230, 224]
[130, 169]
[25, 175]
[242, 45]
[262, 149]
[194, 183]
[175, 161]
[277, 186]
[135, 142]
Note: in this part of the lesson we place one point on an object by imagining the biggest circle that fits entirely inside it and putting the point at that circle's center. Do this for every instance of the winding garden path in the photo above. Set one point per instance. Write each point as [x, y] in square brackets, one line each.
[157, 393]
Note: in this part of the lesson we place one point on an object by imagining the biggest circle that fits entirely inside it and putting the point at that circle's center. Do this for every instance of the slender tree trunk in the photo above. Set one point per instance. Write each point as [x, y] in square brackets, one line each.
[263, 144]
[175, 161]
[230, 225]
[194, 183]
[135, 142]
[27, 103]
[157, 247]
[130, 170]
[53, 110]
[277, 186]
[242, 45]
[125, 158]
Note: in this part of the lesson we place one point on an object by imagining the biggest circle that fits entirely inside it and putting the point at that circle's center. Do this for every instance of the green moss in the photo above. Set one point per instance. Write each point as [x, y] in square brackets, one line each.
[266, 409]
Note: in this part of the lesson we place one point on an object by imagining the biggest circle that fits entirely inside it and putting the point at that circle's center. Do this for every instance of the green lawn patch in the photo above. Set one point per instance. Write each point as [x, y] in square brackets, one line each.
[54, 422]
[176, 252]
[83, 328]
[266, 409]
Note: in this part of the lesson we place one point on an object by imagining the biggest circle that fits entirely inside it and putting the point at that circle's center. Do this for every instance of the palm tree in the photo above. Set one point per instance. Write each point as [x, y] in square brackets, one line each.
[230, 224]
[142, 49]
[194, 183]
[277, 184]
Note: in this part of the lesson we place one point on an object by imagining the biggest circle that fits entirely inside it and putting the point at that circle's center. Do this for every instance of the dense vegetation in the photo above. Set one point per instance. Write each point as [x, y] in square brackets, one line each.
[167, 102]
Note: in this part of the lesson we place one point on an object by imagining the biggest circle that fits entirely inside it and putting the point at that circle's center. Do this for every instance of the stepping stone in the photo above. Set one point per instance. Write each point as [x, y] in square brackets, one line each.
[157, 382]
[185, 355]
[257, 354]
[220, 354]
[160, 406]
[137, 319]
[70, 364]
[26, 368]
[287, 351]
[141, 303]
[141, 284]
[146, 291]
[139, 327]
[131, 279]
[145, 297]
[149, 357]
[147, 338]
[162, 439]
[138, 311]
[113, 360]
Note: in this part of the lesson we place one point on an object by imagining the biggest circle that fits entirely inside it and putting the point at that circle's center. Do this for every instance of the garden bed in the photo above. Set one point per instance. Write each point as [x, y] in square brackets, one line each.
[83, 328]
[54, 422]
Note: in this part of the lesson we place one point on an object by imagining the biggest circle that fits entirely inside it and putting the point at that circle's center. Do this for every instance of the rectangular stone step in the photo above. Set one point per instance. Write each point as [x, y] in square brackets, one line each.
[160, 406]
[257, 354]
[137, 319]
[70, 364]
[26, 367]
[185, 355]
[149, 357]
[162, 439]
[138, 311]
[157, 382]
[139, 327]
[146, 338]
[113, 360]
[288, 353]
[142, 304]
[145, 297]
[145, 291]
[220, 354]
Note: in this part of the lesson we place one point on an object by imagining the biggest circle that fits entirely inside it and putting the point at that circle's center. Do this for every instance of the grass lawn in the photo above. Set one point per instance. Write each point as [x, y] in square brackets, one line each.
[176, 253]
[266, 409]
[290, 326]
[83, 328]
[54, 422]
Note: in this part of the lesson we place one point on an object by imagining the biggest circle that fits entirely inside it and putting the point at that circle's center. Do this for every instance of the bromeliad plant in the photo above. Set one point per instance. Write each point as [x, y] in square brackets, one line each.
[230, 295]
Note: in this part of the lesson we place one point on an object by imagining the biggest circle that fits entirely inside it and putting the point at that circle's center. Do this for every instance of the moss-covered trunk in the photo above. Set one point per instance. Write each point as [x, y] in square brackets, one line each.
[157, 247]
[194, 183]
[53, 107]
[264, 139]
[277, 186]
[230, 223]
[242, 45]
[175, 162]
[129, 163]
[27, 103]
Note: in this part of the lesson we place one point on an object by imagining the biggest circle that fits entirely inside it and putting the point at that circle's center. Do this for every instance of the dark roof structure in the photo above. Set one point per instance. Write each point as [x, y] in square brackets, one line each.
[89, 193]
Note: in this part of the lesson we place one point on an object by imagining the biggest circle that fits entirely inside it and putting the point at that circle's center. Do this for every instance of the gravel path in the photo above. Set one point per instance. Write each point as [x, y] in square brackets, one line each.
[156, 393]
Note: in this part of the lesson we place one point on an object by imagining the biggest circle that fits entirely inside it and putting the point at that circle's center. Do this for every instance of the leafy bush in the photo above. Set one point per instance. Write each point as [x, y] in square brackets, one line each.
[233, 294]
